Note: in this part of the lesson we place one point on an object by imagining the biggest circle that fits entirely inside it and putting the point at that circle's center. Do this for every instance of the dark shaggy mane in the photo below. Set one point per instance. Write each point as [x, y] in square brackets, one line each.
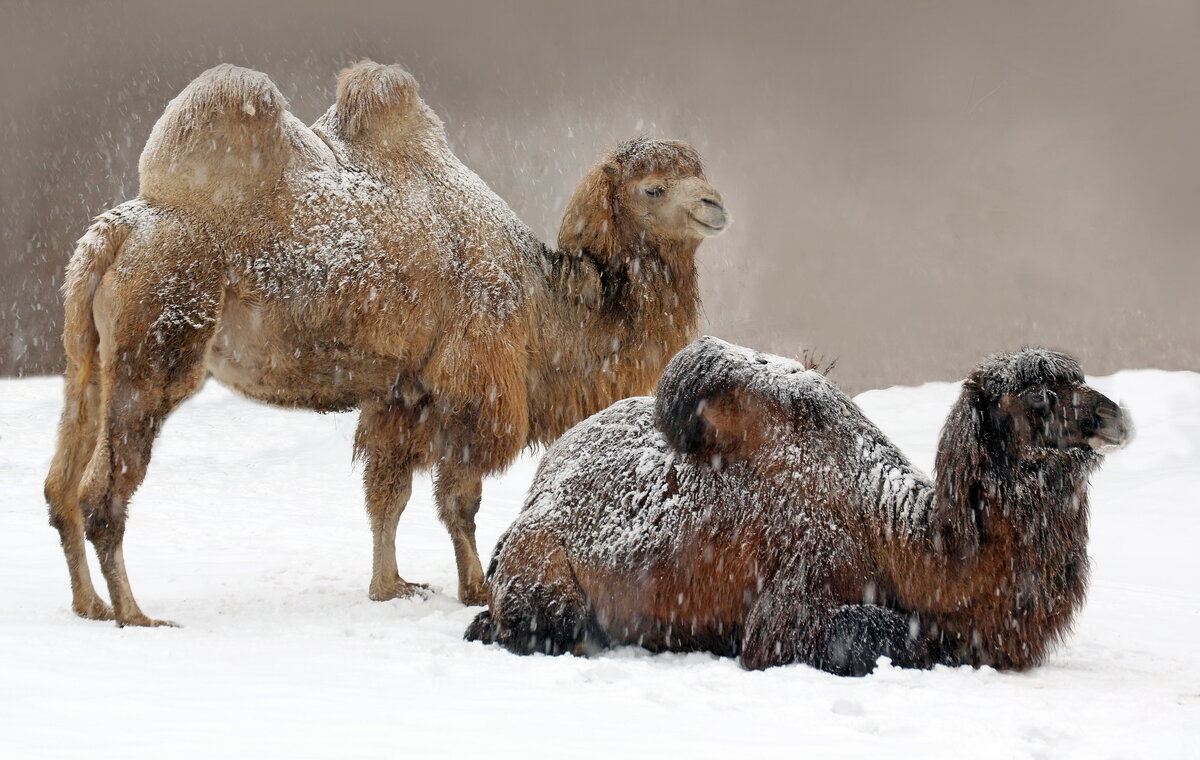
[1011, 372]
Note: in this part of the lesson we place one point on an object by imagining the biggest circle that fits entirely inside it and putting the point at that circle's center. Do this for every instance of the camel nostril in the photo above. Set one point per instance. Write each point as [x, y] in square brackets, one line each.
[712, 202]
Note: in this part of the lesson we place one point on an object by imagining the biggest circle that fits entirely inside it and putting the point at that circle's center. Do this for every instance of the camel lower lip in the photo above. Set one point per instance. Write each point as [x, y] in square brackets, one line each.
[707, 226]
[1104, 443]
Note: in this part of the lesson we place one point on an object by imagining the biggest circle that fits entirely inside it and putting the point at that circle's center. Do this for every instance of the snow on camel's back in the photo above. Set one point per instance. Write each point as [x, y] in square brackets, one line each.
[359, 264]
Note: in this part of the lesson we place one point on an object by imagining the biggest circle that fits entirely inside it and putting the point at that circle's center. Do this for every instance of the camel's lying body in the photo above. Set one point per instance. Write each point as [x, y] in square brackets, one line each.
[752, 510]
[354, 264]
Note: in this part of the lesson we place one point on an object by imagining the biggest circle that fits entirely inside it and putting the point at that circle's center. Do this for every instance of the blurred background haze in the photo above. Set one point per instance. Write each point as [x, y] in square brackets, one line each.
[913, 185]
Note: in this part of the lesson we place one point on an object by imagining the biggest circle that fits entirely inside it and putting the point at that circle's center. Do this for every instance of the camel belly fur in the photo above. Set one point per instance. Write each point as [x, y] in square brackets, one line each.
[265, 355]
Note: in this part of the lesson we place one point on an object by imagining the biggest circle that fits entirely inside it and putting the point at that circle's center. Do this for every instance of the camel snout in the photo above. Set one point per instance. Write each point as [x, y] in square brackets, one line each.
[710, 216]
[1114, 428]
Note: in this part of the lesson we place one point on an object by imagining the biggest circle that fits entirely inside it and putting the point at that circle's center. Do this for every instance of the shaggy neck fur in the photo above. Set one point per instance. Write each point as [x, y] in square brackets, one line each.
[627, 300]
[998, 563]
[630, 308]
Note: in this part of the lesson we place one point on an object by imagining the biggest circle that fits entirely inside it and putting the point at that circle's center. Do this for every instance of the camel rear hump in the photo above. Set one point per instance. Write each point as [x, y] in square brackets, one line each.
[378, 104]
[220, 142]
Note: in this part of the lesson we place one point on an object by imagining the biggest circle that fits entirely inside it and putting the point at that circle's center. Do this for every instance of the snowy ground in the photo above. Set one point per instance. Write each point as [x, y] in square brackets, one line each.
[250, 531]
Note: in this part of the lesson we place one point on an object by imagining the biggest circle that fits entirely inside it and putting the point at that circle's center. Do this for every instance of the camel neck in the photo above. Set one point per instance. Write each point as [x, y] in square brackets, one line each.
[616, 322]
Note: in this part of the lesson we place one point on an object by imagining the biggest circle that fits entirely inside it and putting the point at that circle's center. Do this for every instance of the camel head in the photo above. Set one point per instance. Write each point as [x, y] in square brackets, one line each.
[1032, 404]
[646, 190]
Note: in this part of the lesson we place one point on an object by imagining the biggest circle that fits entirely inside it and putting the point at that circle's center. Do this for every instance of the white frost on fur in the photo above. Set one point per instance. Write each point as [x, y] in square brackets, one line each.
[617, 461]
[346, 219]
[343, 220]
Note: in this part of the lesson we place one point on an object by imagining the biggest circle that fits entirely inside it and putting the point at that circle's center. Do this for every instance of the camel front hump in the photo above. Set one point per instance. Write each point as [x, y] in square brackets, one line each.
[751, 509]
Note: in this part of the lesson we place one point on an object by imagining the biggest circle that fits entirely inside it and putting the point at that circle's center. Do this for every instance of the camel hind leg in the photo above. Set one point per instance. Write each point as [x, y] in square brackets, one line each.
[77, 433]
[151, 359]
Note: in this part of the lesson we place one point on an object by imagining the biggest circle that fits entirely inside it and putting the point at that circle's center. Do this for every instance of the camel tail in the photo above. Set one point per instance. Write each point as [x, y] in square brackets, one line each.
[94, 254]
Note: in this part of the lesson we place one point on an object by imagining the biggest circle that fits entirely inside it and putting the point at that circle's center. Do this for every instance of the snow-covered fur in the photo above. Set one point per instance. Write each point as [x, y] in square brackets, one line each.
[752, 510]
[359, 263]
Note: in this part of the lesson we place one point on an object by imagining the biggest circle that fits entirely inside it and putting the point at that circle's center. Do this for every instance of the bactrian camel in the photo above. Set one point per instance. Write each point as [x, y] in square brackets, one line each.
[751, 510]
[359, 264]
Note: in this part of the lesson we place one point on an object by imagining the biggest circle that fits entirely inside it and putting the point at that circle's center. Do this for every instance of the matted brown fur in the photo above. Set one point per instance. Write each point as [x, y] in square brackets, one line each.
[752, 510]
[358, 263]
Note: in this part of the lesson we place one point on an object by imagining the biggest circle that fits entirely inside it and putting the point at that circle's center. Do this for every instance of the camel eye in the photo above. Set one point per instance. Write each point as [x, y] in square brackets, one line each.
[655, 191]
[1039, 398]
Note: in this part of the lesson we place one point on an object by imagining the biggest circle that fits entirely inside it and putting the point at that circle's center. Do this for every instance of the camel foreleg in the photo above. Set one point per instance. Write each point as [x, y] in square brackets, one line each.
[458, 490]
[845, 640]
[540, 606]
[386, 439]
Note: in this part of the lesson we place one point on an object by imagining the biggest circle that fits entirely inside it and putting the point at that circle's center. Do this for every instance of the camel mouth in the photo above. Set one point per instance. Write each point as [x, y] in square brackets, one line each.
[1115, 433]
[1104, 443]
[712, 227]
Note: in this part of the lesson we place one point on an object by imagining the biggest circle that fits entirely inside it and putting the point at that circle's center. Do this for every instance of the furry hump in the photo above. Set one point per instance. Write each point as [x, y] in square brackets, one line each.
[219, 143]
[375, 102]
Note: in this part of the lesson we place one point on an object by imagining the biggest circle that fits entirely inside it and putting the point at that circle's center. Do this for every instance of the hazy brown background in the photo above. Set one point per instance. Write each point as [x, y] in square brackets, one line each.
[913, 185]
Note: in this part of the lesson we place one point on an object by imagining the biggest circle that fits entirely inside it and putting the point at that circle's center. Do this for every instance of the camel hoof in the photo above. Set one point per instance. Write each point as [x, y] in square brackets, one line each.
[93, 609]
[141, 621]
[398, 590]
[474, 595]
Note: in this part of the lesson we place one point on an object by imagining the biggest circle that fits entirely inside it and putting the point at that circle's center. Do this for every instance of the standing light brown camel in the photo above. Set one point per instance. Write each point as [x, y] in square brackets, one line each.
[359, 264]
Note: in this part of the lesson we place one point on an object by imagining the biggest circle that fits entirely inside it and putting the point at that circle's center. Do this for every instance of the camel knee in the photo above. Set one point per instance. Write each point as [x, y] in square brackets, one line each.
[459, 521]
[104, 526]
[536, 603]
[550, 619]
[481, 629]
[458, 498]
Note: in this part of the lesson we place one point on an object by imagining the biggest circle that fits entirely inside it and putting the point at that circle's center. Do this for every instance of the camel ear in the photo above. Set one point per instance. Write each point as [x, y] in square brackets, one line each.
[704, 408]
[959, 525]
